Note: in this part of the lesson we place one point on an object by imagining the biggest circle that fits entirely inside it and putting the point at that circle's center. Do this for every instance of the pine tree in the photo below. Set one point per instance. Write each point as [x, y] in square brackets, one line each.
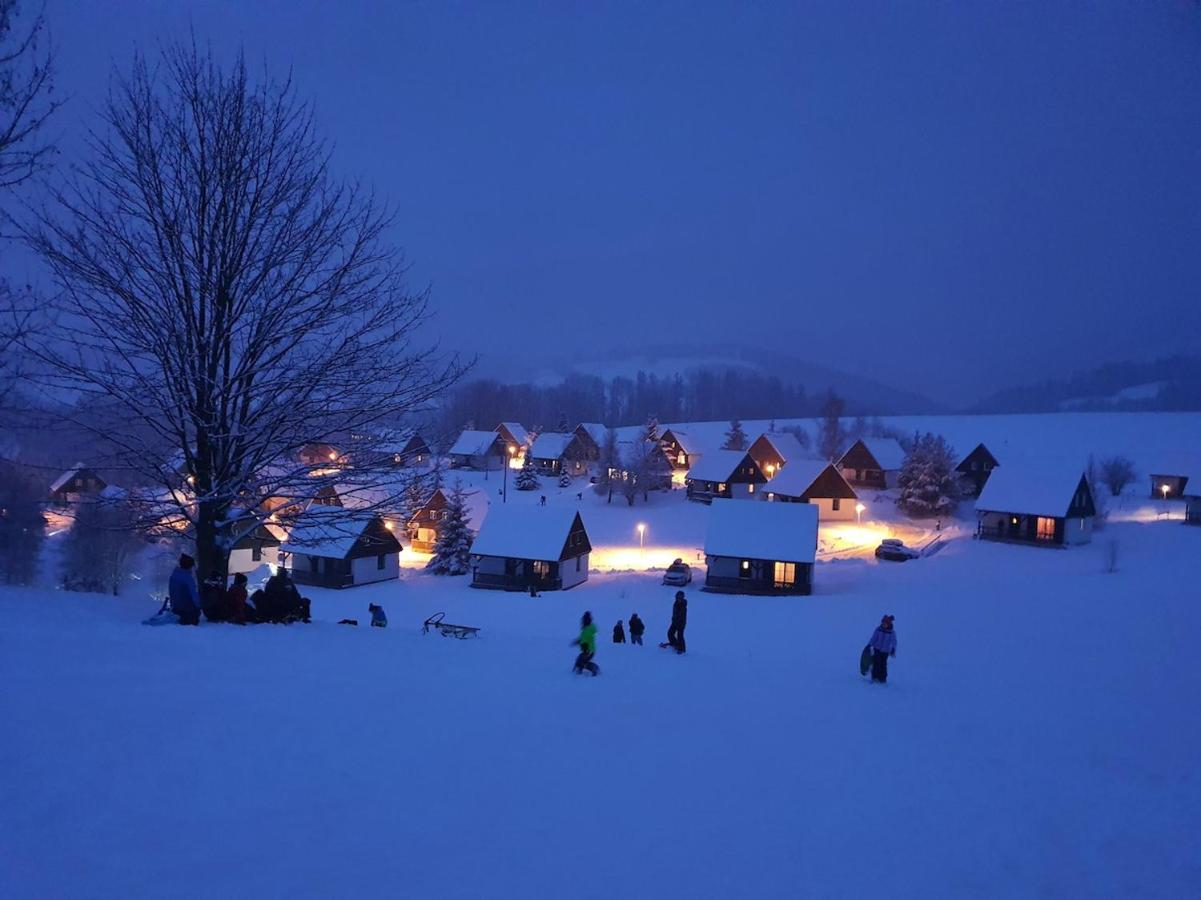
[652, 429]
[830, 433]
[527, 477]
[565, 479]
[564, 424]
[452, 549]
[735, 437]
[928, 484]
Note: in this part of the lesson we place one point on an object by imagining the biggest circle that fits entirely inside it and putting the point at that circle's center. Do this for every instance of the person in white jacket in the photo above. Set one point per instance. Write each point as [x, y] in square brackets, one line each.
[884, 645]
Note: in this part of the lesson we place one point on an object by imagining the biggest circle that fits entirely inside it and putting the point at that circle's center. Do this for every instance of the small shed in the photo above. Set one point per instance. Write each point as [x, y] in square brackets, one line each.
[817, 482]
[543, 547]
[1177, 482]
[873, 463]
[724, 473]
[974, 470]
[480, 450]
[340, 549]
[1041, 501]
[73, 485]
[773, 450]
[682, 451]
[760, 548]
[554, 454]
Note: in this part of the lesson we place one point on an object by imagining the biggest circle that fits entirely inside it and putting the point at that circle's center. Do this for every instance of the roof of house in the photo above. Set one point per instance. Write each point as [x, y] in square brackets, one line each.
[595, 430]
[517, 430]
[327, 531]
[784, 532]
[1035, 487]
[688, 444]
[550, 445]
[525, 532]
[717, 465]
[473, 443]
[786, 444]
[396, 440]
[797, 477]
[887, 452]
[62, 479]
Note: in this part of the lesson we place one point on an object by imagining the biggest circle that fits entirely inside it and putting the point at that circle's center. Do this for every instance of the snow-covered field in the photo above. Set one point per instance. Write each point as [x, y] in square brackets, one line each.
[1037, 739]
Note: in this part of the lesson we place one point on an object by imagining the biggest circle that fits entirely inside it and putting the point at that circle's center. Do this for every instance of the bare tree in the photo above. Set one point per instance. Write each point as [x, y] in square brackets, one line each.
[230, 297]
[1116, 472]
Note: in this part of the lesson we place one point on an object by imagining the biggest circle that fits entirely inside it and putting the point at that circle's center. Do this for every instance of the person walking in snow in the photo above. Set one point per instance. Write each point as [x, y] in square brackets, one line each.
[587, 644]
[181, 588]
[619, 634]
[679, 619]
[636, 629]
[884, 645]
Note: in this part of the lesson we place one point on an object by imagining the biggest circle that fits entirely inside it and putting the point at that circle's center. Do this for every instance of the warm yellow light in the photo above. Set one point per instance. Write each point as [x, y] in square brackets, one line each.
[641, 527]
[333, 456]
[389, 526]
[191, 479]
[1165, 490]
[859, 507]
[771, 470]
[512, 449]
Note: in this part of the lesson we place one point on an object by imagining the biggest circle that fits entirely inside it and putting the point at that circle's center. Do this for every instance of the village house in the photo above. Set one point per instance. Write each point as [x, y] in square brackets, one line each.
[479, 450]
[817, 482]
[724, 474]
[515, 436]
[341, 550]
[873, 463]
[256, 543]
[318, 453]
[423, 524]
[1176, 483]
[523, 547]
[592, 438]
[760, 548]
[681, 450]
[1036, 502]
[73, 485]
[403, 447]
[773, 450]
[974, 470]
[554, 454]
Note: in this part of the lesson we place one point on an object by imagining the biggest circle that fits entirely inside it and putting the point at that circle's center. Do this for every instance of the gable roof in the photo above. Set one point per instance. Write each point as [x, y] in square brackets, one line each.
[551, 445]
[517, 430]
[687, 444]
[525, 532]
[62, 479]
[594, 430]
[962, 465]
[796, 478]
[331, 532]
[887, 452]
[1035, 487]
[473, 443]
[785, 443]
[397, 440]
[783, 532]
[717, 465]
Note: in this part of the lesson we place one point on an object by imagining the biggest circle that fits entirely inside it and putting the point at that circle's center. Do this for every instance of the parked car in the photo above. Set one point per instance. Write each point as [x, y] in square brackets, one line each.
[679, 573]
[895, 550]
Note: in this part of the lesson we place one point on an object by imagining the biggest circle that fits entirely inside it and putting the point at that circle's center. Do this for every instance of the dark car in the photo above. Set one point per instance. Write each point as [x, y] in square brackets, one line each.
[678, 574]
[894, 550]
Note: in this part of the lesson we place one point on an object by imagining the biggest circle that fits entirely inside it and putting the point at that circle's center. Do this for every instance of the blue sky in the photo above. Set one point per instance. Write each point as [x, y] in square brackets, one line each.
[951, 197]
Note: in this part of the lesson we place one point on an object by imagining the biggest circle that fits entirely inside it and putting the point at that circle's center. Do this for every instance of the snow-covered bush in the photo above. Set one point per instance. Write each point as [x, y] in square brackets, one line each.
[927, 479]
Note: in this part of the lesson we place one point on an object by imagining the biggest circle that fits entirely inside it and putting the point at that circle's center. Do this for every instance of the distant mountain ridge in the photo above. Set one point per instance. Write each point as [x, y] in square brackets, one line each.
[1172, 384]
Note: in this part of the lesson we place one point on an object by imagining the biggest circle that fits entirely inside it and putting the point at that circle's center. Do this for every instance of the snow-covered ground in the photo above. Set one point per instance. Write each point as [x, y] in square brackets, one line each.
[1037, 739]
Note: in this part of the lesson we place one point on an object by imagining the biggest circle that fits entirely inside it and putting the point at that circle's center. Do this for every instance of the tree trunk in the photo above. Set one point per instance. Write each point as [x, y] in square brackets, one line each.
[212, 558]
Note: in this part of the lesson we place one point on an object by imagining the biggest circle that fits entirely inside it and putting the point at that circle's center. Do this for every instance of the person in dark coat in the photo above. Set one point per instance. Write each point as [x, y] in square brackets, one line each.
[214, 599]
[619, 634]
[884, 645]
[679, 619]
[181, 588]
[237, 600]
[281, 601]
[379, 619]
[636, 629]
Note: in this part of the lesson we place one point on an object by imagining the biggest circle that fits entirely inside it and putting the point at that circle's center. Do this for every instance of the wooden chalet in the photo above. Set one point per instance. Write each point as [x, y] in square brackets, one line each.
[423, 525]
[404, 448]
[873, 463]
[817, 482]
[75, 484]
[773, 450]
[520, 547]
[479, 450]
[681, 450]
[1036, 502]
[974, 470]
[514, 435]
[592, 438]
[760, 548]
[731, 474]
[340, 550]
[554, 454]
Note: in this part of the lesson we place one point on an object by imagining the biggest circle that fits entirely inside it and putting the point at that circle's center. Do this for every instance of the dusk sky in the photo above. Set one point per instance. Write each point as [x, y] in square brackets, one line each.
[948, 197]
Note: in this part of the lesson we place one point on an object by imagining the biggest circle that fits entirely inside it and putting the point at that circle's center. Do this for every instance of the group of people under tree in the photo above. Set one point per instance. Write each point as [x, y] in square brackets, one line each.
[277, 601]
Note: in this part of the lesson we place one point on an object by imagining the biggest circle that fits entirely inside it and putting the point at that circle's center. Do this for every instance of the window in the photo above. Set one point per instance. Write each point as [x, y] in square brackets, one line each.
[837, 504]
[750, 489]
[256, 552]
[1045, 528]
[771, 496]
[721, 488]
[744, 569]
[541, 568]
[314, 562]
[682, 459]
[577, 562]
[785, 574]
[379, 562]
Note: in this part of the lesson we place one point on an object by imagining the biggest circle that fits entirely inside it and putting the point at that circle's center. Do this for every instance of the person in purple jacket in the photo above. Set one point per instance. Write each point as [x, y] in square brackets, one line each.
[884, 645]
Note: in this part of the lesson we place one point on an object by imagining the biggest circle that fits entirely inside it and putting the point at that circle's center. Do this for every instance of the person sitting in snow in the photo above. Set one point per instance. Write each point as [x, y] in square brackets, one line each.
[379, 618]
[281, 601]
[636, 629]
[884, 645]
[619, 634]
[587, 644]
[181, 588]
[237, 600]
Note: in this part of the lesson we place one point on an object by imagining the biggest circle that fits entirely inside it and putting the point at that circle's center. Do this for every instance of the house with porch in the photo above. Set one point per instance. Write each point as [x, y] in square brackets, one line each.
[974, 470]
[772, 450]
[522, 547]
[682, 451]
[760, 548]
[728, 474]
[339, 549]
[479, 450]
[817, 482]
[1044, 502]
[553, 454]
[873, 463]
[75, 484]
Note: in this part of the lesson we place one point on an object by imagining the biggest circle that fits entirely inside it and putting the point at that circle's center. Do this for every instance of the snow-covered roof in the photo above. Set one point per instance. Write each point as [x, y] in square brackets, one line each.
[66, 476]
[781, 532]
[1034, 487]
[717, 465]
[327, 531]
[517, 430]
[786, 445]
[887, 451]
[796, 477]
[473, 443]
[525, 532]
[395, 440]
[687, 444]
[550, 445]
[595, 430]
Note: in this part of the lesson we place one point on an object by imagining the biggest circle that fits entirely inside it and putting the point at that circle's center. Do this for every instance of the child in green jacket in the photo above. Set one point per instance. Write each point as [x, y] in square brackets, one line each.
[587, 644]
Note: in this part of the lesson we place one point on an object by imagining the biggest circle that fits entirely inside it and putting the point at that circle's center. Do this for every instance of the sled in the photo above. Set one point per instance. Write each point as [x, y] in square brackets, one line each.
[164, 616]
[446, 629]
[865, 660]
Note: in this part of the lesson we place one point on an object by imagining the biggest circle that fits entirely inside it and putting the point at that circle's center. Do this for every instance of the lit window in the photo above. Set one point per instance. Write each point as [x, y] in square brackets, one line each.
[785, 574]
[750, 489]
[1045, 528]
[744, 571]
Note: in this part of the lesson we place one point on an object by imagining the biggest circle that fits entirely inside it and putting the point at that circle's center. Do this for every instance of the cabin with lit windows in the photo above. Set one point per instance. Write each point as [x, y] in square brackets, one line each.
[760, 548]
[523, 547]
[682, 452]
[75, 484]
[334, 549]
[726, 474]
[516, 436]
[873, 463]
[479, 450]
[404, 448]
[772, 451]
[817, 482]
[553, 454]
[318, 453]
[974, 470]
[592, 438]
[423, 524]
[1043, 502]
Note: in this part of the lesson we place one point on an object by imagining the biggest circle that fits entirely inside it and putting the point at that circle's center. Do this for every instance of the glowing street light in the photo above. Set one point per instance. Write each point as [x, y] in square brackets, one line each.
[504, 494]
[641, 539]
[859, 508]
[1165, 489]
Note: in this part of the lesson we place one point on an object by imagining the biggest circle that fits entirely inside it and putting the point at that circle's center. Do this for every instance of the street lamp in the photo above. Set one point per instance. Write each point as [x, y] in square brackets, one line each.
[1165, 489]
[508, 464]
[641, 536]
[859, 508]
